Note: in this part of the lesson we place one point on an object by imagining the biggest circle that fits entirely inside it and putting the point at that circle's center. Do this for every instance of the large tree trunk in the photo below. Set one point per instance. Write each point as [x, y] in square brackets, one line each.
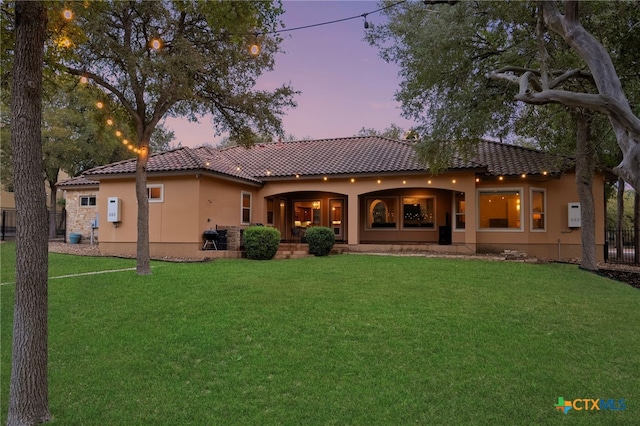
[610, 100]
[585, 168]
[28, 393]
[143, 256]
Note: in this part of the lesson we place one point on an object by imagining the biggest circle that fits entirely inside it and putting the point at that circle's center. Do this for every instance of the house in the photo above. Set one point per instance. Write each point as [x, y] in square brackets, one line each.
[371, 191]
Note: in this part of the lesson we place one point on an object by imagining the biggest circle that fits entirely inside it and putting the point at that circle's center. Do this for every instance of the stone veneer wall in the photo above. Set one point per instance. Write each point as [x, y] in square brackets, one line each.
[234, 235]
[79, 217]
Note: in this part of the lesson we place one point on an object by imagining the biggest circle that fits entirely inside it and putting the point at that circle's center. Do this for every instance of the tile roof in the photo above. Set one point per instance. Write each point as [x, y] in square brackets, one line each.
[340, 156]
[77, 181]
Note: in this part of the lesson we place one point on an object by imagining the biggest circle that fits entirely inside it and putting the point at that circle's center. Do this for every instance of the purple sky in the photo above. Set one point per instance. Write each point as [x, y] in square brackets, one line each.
[344, 84]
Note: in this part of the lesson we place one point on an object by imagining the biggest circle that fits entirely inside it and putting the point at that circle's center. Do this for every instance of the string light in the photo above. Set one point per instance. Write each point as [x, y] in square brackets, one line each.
[84, 80]
[67, 14]
[156, 44]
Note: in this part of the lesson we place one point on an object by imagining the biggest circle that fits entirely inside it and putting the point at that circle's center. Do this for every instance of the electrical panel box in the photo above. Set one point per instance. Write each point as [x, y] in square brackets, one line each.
[574, 215]
[114, 207]
[94, 222]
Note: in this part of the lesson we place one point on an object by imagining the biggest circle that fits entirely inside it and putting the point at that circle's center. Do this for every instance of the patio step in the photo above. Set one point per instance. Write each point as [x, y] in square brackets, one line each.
[292, 251]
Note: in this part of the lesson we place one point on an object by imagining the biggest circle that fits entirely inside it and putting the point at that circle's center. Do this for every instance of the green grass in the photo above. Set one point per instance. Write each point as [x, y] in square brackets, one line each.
[335, 340]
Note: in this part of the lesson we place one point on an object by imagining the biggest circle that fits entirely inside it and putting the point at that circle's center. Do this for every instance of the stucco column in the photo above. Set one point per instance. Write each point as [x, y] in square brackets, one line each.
[353, 225]
[471, 215]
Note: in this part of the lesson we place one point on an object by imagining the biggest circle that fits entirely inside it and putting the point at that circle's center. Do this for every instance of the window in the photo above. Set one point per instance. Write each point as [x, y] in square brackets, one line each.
[459, 208]
[382, 213]
[155, 193]
[246, 208]
[538, 207]
[418, 212]
[269, 211]
[499, 209]
[87, 200]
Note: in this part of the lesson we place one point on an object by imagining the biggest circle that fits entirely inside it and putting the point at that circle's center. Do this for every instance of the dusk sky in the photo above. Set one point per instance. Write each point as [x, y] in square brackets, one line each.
[344, 84]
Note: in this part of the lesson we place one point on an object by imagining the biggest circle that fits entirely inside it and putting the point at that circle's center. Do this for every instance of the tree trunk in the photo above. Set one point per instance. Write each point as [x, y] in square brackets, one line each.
[585, 168]
[619, 220]
[28, 390]
[143, 256]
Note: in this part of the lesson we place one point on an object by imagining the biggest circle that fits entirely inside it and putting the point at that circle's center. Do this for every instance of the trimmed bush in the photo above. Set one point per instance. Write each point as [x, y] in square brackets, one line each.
[261, 242]
[321, 240]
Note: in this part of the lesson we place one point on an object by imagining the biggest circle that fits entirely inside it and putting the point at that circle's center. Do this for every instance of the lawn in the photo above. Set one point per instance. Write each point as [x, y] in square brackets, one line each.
[347, 339]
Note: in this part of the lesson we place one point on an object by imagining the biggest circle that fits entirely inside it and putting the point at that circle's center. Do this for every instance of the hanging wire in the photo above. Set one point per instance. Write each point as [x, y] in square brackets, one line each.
[362, 15]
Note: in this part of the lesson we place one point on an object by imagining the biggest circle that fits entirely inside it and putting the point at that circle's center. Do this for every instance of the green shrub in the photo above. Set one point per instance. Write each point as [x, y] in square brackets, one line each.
[321, 240]
[261, 242]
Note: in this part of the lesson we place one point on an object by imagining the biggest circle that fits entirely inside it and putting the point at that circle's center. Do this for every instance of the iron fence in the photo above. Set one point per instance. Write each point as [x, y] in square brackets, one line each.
[8, 223]
[621, 246]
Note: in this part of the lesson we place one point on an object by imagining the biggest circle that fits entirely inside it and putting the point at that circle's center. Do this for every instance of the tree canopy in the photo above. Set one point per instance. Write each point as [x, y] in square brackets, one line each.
[446, 54]
[173, 58]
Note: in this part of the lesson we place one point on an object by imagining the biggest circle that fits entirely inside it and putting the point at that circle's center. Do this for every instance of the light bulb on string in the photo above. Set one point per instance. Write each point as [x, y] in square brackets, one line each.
[155, 44]
[100, 105]
[84, 80]
[125, 142]
[118, 133]
[109, 122]
[67, 14]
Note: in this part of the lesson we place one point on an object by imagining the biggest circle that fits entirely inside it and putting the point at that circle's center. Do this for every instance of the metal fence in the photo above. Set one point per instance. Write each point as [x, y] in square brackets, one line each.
[8, 223]
[621, 246]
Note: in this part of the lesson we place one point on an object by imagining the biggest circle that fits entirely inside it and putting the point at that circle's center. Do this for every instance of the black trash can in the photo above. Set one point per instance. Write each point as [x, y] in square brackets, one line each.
[444, 234]
[222, 239]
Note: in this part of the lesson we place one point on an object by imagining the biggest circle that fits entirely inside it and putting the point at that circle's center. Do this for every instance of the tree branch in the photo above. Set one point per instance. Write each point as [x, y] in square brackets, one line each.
[101, 82]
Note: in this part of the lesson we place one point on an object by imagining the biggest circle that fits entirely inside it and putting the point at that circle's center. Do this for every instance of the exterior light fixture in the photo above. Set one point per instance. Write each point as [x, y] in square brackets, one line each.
[453, 181]
[524, 175]
[366, 23]
[544, 173]
[477, 179]
[324, 178]
[353, 180]
[429, 181]
[501, 178]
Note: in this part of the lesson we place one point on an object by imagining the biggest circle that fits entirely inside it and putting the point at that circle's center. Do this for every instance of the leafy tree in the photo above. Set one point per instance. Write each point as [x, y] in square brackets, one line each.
[28, 390]
[446, 88]
[171, 58]
[393, 132]
[546, 85]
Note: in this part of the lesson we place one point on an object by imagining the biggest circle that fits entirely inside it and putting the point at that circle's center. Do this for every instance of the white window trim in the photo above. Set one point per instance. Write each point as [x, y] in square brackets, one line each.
[479, 191]
[242, 207]
[455, 213]
[156, 200]
[544, 201]
[88, 197]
